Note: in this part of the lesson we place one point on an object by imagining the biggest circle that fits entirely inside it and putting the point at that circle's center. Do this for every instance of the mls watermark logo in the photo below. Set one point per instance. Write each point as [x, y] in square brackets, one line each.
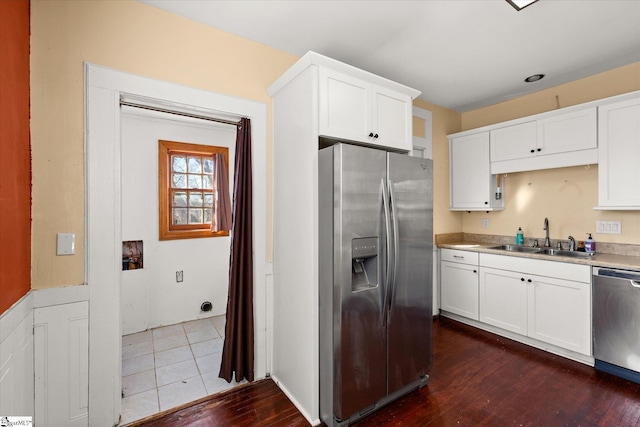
[16, 421]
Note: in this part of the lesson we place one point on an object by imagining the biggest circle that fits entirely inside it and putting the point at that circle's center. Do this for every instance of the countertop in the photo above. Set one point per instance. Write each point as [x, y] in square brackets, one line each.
[480, 243]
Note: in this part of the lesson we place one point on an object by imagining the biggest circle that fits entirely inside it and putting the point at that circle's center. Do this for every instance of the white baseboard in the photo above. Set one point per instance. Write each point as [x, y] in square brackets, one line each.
[550, 348]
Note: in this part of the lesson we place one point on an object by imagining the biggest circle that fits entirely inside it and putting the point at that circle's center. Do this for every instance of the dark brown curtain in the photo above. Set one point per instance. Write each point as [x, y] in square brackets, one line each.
[221, 218]
[237, 354]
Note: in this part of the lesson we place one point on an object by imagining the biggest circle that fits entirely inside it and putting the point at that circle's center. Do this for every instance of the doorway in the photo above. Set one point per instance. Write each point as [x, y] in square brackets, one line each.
[103, 245]
[171, 345]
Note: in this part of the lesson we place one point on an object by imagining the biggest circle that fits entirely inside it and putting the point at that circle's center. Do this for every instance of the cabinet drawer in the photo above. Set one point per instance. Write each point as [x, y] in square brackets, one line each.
[463, 257]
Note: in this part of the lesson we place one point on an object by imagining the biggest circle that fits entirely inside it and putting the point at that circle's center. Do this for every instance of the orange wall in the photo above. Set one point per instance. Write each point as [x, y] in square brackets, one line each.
[15, 153]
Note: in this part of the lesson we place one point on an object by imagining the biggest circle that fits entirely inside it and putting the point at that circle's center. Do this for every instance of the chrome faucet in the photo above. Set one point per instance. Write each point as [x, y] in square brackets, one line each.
[547, 243]
[572, 243]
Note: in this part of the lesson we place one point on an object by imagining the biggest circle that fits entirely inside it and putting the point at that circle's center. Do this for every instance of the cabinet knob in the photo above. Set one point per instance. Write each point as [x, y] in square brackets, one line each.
[486, 203]
[539, 149]
[522, 279]
[475, 271]
[533, 151]
[370, 134]
[375, 136]
[529, 280]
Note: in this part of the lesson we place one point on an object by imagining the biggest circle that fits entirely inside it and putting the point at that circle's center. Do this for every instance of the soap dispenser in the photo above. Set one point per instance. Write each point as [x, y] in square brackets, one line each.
[519, 237]
[590, 244]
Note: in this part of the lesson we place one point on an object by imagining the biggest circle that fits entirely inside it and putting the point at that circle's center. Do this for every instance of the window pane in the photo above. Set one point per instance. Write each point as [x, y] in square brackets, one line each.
[195, 216]
[180, 216]
[208, 200]
[207, 216]
[207, 181]
[195, 164]
[179, 199]
[207, 166]
[179, 180]
[195, 199]
[195, 181]
[178, 164]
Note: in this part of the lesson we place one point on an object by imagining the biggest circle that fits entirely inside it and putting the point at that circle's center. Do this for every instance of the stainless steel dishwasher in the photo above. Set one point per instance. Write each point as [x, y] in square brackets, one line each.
[616, 322]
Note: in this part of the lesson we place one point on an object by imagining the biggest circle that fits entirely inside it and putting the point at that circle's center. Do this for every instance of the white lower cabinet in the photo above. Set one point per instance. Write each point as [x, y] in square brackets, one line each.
[544, 300]
[559, 313]
[459, 283]
[503, 299]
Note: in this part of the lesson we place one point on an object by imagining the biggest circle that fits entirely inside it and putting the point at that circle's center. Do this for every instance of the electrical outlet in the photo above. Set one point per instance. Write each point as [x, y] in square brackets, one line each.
[179, 276]
[485, 222]
[608, 227]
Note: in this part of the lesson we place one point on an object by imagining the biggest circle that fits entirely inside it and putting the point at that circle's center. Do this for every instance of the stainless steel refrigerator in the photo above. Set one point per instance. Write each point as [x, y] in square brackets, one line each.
[375, 278]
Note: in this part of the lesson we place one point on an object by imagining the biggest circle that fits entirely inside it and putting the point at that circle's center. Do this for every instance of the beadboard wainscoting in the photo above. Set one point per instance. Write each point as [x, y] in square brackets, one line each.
[16, 358]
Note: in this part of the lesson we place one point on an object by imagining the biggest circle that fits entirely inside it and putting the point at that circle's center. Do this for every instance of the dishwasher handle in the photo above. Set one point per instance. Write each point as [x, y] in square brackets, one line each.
[633, 276]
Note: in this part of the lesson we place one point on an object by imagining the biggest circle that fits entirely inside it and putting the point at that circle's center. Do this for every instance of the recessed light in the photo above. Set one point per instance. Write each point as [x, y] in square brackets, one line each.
[534, 78]
[520, 4]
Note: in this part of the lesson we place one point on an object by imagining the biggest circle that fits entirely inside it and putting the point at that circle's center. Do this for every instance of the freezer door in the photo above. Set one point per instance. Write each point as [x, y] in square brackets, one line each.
[359, 279]
[410, 308]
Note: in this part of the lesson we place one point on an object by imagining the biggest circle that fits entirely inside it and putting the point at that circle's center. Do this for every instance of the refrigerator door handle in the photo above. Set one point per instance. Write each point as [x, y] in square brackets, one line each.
[387, 261]
[394, 264]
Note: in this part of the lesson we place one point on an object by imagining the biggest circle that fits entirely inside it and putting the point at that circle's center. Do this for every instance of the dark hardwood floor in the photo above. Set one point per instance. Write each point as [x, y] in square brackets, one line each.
[478, 379]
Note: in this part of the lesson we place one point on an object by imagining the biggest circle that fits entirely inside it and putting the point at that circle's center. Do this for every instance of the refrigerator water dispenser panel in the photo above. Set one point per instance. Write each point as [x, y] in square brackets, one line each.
[364, 263]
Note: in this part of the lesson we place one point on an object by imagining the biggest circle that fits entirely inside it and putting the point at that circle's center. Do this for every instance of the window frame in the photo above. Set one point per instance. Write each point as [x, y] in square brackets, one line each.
[168, 231]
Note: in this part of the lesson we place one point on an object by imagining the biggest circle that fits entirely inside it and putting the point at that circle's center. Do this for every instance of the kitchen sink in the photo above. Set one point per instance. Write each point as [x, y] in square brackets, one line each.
[543, 251]
[563, 253]
[515, 248]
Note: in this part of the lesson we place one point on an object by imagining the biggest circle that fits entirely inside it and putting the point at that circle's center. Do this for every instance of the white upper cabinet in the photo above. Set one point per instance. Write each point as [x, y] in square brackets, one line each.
[347, 104]
[513, 142]
[619, 168]
[471, 184]
[356, 110]
[551, 140]
[567, 132]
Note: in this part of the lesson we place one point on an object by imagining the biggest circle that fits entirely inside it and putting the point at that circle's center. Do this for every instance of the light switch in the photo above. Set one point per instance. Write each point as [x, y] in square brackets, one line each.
[66, 244]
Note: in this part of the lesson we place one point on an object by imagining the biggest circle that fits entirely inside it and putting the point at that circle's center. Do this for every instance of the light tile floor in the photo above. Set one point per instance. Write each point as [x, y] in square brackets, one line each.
[171, 365]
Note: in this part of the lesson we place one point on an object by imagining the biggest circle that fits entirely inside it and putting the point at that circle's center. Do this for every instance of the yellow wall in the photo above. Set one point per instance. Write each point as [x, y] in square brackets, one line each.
[445, 122]
[128, 36]
[133, 37]
[566, 195]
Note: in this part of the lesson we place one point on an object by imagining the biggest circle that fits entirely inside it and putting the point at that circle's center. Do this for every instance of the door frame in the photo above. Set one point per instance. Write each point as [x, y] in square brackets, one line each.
[103, 246]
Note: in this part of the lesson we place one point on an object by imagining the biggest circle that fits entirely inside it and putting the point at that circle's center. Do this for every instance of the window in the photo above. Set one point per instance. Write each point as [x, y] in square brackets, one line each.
[187, 189]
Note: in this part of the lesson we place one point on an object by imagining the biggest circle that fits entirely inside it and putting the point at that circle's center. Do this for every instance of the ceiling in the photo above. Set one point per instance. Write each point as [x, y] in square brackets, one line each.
[462, 54]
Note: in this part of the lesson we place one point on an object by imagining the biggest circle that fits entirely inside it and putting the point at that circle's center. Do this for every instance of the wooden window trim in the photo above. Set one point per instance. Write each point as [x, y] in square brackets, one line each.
[165, 149]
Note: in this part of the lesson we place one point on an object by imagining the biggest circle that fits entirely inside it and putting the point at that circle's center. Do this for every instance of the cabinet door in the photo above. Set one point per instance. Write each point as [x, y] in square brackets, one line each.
[345, 106]
[513, 142]
[559, 313]
[503, 299]
[619, 152]
[469, 172]
[566, 132]
[392, 119]
[459, 289]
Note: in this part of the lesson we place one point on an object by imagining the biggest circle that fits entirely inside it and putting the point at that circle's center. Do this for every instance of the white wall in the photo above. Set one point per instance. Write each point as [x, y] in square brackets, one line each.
[150, 296]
